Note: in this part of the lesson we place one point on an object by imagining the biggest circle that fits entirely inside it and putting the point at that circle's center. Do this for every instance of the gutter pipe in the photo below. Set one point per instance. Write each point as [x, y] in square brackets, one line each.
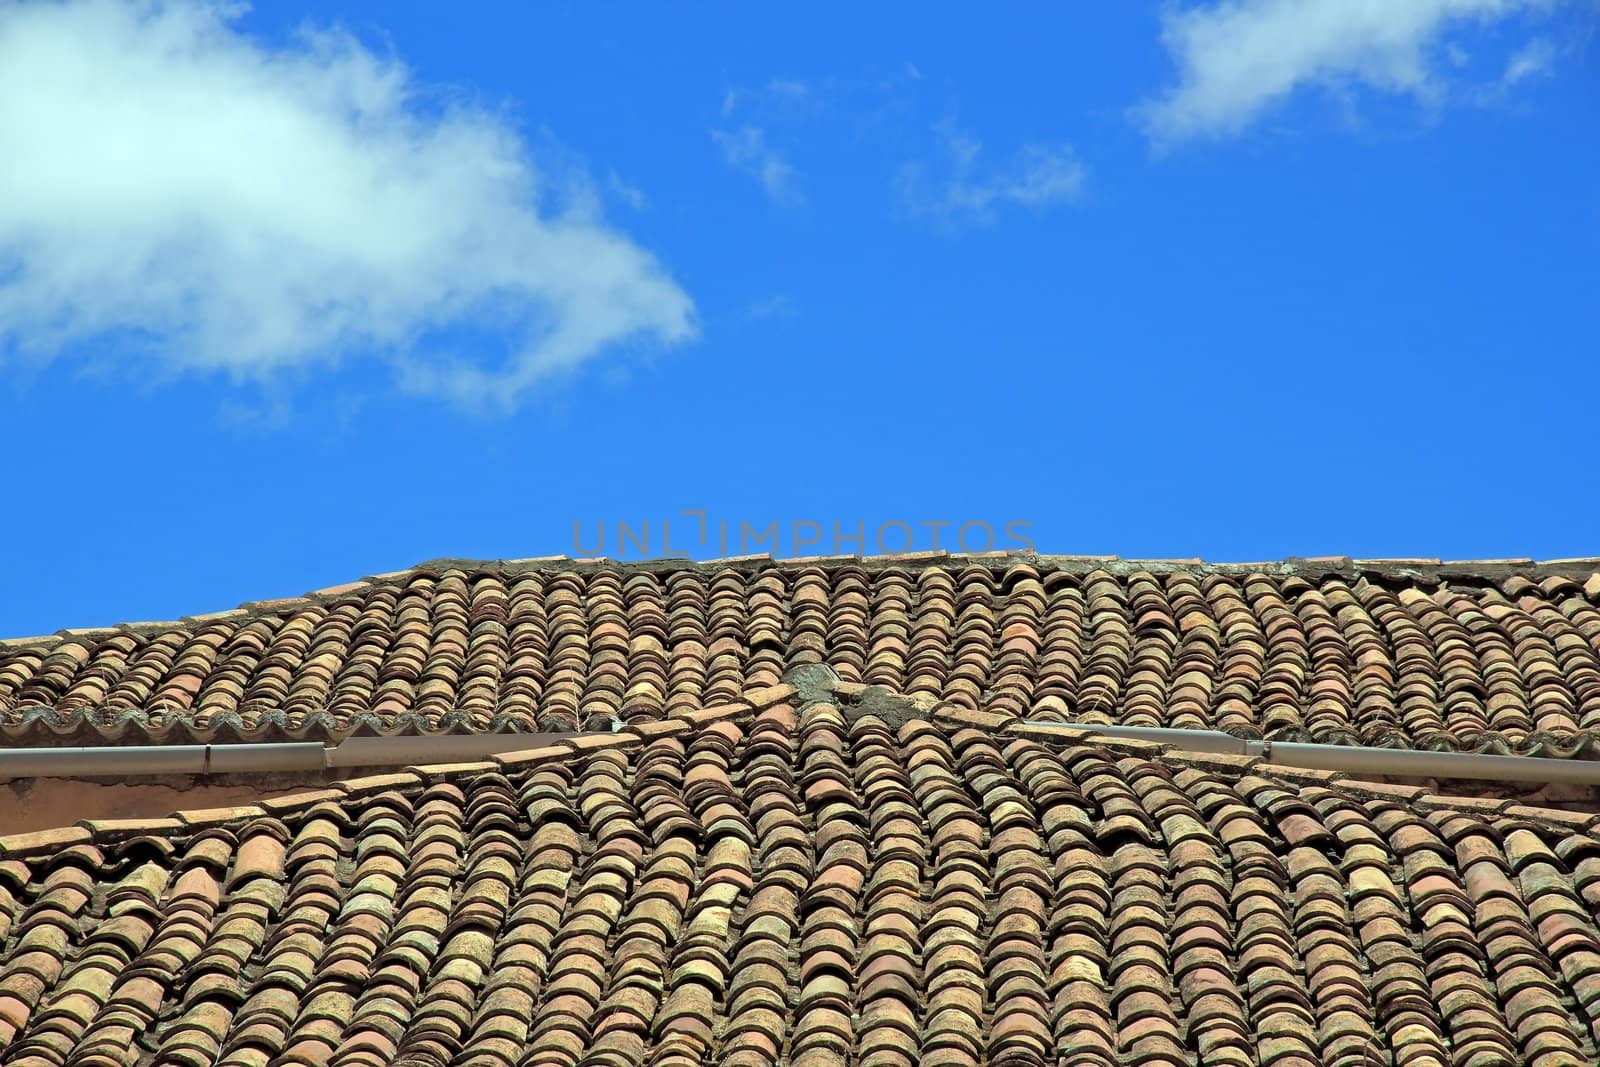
[108, 761]
[277, 757]
[1355, 759]
[304, 756]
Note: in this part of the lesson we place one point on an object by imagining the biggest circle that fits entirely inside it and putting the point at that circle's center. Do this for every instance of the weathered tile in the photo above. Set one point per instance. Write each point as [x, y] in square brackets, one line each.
[812, 886]
[1386, 652]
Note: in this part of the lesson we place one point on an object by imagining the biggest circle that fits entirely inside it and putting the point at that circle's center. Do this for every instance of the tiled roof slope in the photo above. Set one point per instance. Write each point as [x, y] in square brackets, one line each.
[1501, 656]
[759, 883]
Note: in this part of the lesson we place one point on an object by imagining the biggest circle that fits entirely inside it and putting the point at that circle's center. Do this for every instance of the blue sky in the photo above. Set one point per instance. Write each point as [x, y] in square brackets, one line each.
[316, 291]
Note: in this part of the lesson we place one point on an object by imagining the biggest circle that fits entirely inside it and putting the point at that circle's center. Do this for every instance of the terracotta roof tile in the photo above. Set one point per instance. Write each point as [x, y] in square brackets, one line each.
[1500, 656]
[22, 846]
[776, 883]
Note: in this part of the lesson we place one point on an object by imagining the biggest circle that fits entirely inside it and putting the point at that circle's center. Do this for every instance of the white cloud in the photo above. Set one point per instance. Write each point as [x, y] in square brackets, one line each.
[776, 94]
[963, 193]
[788, 88]
[1532, 59]
[1237, 58]
[746, 150]
[776, 306]
[220, 205]
[630, 194]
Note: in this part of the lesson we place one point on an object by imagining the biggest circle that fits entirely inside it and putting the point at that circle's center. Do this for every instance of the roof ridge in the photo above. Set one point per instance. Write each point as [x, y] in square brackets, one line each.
[1401, 569]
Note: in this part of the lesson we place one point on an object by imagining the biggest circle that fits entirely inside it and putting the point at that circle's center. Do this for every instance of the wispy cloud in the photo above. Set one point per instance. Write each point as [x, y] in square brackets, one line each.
[1237, 58]
[206, 201]
[776, 92]
[959, 191]
[626, 192]
[746, 150]
[777, 306]
[789, 88]
[1532, 59]
[789, 111]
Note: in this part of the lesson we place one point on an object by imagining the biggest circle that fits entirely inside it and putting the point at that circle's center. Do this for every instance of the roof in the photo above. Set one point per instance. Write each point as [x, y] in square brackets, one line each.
[767, 880]
[1475, 656]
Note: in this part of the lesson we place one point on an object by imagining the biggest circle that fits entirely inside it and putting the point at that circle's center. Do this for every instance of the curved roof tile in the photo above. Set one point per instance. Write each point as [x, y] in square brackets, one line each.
[759, 882]
[1497, 656]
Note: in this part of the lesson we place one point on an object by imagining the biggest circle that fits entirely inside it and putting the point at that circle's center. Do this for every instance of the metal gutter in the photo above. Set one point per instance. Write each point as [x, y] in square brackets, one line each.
[307, 756]
[1353, 759]
[272, 758]
[110, 761]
